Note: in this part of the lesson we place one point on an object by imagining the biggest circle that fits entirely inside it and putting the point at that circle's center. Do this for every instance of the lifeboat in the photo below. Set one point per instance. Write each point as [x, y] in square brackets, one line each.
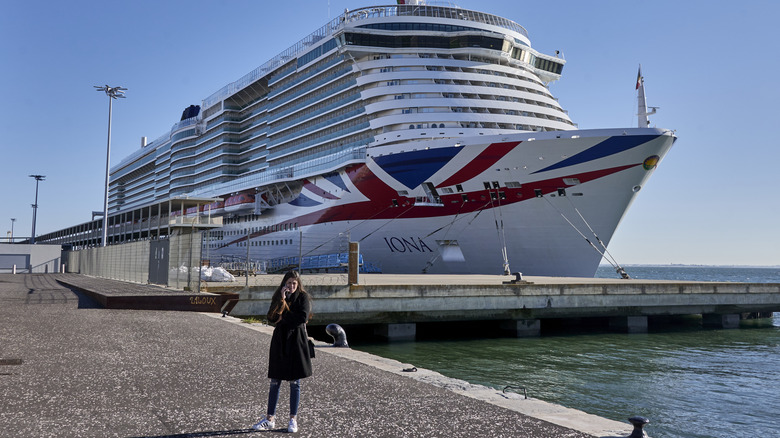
[213, 209]
[240, 202]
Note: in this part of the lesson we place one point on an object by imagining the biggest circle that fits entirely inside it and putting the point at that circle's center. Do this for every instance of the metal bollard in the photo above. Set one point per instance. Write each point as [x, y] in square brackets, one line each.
[639, 423]
[338, 334]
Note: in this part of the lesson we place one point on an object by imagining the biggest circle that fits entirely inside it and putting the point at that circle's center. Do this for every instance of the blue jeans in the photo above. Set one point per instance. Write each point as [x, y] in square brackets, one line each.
[273, 396]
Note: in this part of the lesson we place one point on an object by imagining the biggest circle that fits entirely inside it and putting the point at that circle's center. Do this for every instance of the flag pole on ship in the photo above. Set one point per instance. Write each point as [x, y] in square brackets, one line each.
[643, 119]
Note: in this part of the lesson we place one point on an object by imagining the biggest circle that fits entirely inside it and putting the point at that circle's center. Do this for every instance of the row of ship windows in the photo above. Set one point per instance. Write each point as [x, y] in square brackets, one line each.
[480, 110]
[257, 243]
[243, 232]
[427, 41]
[480, 97]
[312, 70]
[319, 107]
[305, 88]
[315, 95]
[430, 27]
[339, 128]
[332, 118]
[453, 42]
[485, 125]
[397, 82]
[458, 70]
[469, 58]
[344, 143]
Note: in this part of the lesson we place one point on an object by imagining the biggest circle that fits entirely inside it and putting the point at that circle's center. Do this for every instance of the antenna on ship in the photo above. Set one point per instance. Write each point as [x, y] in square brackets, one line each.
[643, 119]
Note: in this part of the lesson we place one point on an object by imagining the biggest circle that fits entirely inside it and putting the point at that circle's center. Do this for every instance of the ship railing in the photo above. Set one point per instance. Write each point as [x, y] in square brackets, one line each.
[240, 265]
[274, 154]
[273, 63]
[309, 116]
[295, 82]
[328, 162]
[309, 129]
[313, 262]
[307, 101]
[331, 77]
[184, 123]
[195, 219]
[322, 161]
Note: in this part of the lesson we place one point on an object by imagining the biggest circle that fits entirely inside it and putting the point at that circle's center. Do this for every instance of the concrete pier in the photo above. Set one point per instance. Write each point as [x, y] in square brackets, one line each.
[717, 320]
[397, 332]
[522, 307]
[522, 328]
[629, 324]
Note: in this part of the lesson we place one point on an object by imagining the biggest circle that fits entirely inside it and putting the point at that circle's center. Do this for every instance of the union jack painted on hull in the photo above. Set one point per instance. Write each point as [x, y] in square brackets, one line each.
[497, 195]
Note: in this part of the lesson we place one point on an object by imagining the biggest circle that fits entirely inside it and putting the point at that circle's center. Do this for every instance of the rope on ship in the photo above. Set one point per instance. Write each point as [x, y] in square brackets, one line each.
[611, 259]
[500, 232]
[381, 226]
[430, 262]
[350, 229]
[604, 254]
[478, 210]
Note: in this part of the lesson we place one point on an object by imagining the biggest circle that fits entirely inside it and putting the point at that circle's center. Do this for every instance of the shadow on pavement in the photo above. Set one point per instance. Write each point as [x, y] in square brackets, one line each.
[203, 434]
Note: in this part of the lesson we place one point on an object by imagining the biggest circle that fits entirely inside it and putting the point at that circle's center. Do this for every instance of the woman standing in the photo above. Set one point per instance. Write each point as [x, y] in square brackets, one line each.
[288, 358]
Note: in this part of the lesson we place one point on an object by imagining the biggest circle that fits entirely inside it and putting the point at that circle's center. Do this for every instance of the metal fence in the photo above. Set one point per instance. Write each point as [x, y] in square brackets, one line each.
[178, 261]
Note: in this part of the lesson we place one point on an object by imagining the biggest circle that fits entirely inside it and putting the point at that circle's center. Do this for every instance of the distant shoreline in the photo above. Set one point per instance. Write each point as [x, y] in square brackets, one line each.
[682, 265]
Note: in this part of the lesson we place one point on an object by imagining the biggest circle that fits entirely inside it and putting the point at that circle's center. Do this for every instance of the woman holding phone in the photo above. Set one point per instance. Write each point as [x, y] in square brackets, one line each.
[288, 357]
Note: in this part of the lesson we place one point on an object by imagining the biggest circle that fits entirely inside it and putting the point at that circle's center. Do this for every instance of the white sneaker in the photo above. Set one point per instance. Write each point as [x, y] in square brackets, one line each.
[264, 424]
[293, 426]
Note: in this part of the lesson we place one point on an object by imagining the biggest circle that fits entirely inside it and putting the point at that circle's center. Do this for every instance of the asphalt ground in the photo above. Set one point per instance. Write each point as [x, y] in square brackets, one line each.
[69, 368]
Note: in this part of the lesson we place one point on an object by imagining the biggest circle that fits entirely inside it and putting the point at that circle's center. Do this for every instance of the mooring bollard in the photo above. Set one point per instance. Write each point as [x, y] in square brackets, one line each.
[639, 423]
[338, 334]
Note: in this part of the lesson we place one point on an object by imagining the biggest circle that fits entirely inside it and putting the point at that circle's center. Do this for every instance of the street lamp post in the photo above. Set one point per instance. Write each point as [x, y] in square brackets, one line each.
[38, 178]
[112, 93]
[13, 219]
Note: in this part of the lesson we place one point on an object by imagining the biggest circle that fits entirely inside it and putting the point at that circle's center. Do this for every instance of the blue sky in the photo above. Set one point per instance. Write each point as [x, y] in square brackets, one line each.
[709, 66]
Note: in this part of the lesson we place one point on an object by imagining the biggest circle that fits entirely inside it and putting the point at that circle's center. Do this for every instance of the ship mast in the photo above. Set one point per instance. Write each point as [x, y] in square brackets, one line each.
[643, 119]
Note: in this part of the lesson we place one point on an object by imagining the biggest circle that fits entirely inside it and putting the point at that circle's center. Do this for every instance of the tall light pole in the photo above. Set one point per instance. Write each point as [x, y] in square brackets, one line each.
[38, 178]
[112, 93]
[13, 219]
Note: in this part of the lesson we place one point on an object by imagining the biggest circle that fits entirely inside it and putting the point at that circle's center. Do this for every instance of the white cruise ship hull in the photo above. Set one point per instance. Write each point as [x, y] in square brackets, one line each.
[459, 207]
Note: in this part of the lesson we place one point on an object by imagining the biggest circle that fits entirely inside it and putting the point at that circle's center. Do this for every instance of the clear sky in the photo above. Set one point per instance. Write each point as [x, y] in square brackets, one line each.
[710, 66]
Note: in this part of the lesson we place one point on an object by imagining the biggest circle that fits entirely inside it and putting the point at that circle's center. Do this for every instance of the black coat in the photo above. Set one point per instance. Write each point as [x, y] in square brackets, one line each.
[288, 358]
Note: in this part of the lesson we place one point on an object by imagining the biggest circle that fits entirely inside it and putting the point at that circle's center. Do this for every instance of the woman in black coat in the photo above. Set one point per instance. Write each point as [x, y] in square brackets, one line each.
[288, 358]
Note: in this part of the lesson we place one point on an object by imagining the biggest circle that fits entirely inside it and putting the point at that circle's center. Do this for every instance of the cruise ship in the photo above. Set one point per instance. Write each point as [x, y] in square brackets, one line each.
[426, 133]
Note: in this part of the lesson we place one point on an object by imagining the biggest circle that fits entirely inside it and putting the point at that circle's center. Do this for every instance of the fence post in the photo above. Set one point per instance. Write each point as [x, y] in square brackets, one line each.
[354, 260]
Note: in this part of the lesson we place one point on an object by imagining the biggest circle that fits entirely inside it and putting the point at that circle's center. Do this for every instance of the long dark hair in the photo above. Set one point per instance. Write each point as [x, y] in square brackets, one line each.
[278, 303]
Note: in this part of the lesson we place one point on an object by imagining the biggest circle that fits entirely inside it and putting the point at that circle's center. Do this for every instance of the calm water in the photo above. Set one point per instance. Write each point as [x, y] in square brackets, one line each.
[690, 382]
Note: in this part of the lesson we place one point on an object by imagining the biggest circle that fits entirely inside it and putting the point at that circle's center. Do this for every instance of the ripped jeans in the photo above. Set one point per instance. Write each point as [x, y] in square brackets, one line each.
[273, 396]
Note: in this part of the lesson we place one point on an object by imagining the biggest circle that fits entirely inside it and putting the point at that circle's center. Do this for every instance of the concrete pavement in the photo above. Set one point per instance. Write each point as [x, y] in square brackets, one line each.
[69, 368]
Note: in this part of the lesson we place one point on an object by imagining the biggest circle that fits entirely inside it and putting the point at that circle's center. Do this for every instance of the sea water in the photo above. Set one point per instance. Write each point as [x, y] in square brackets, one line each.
[689, 381]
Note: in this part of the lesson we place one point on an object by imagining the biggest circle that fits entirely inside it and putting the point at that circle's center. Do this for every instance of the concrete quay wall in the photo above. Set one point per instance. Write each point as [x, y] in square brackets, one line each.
[446, 298]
